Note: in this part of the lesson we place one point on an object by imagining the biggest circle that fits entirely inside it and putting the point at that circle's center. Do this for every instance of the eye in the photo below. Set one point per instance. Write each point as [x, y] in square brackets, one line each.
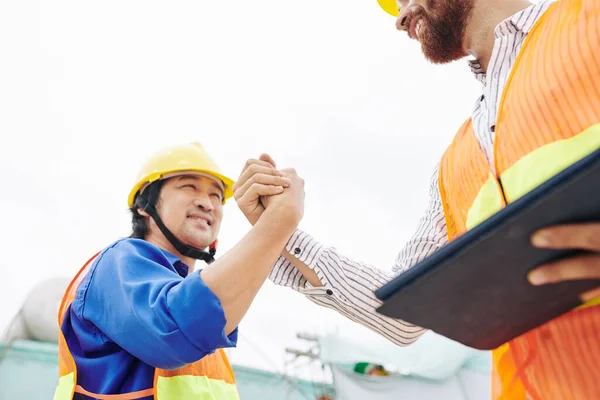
[189, 185]
[216, 196]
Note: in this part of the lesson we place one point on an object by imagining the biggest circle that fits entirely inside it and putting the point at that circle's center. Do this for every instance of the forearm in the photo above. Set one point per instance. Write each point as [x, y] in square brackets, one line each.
[238, 275]
[348, 286]
[308, 274]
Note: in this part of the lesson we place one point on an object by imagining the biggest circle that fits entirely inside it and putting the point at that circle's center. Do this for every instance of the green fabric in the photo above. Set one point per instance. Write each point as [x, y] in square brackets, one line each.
[361, 367]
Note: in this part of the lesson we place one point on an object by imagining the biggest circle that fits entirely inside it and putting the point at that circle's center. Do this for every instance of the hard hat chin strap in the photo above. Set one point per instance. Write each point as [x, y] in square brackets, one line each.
[184, 249]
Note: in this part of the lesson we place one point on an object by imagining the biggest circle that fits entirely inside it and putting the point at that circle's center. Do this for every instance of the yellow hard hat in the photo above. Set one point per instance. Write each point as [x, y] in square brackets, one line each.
[182, 158]
[389, 6]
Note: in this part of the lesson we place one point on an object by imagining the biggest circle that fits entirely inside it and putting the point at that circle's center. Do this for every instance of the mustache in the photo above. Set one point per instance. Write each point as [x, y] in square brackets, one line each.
[419, 12]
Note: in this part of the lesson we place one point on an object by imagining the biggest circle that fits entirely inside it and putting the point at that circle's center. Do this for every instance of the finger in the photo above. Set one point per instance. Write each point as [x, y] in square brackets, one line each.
[574, 236]
[263, 179]
[267, 158]
[590, 295]
[257, 190]
[254, 161]
[253, 169]
[569, 269]
[251, 163]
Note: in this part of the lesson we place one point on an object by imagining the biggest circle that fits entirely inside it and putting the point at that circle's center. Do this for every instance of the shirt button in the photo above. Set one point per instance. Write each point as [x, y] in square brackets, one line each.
[297, 250]
[329, 292]
[493, 128]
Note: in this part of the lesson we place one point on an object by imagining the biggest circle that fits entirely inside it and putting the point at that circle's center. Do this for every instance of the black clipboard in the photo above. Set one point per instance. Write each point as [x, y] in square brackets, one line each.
[475, 289]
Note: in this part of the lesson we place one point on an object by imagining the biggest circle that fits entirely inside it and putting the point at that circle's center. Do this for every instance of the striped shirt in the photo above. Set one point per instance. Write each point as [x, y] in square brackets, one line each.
[348, 286]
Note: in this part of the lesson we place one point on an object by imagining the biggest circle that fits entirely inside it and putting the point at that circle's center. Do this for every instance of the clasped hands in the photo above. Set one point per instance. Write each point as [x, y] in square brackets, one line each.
[261, 185]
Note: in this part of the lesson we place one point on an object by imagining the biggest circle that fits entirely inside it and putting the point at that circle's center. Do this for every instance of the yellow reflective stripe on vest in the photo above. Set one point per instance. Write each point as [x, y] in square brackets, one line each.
[545, 162]
[169, 388]
[195, 387]
[530, 172]
[487, 202]
[591, 303]
[65, 388]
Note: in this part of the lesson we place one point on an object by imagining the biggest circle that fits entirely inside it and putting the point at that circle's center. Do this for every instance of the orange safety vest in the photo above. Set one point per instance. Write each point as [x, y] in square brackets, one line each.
[210, 378]
[548, 118]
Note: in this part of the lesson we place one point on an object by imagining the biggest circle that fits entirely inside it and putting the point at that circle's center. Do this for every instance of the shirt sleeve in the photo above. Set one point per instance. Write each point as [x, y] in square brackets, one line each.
[431, 234]
[136, 300]
[349, 286]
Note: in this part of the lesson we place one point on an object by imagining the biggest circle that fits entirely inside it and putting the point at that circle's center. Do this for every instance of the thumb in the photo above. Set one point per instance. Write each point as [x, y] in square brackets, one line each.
[267, 158]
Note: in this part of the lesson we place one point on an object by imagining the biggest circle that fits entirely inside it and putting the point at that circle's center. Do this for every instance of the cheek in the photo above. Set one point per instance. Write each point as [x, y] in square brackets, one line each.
[174, 210]
[218, 216]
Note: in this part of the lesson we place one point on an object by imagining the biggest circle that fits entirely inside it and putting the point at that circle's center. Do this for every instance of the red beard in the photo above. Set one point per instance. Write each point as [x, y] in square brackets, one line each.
[443, 29]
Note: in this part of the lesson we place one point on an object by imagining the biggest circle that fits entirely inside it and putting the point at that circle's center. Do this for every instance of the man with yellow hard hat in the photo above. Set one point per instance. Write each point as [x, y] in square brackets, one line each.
[538, 113]
[138, 321]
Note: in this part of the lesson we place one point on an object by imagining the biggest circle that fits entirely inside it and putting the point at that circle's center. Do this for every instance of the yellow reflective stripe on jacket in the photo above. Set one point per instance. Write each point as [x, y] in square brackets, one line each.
[545, 162]
[487, 202]
[65, 388]
[531, 171]
[195, 387]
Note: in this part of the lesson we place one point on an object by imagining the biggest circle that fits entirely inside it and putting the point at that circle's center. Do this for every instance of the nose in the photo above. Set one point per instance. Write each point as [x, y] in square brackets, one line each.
[202, 201]
[403, 17]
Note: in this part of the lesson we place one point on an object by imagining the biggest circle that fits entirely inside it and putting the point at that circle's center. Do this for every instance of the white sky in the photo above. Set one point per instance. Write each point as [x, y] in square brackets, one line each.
[89, 89]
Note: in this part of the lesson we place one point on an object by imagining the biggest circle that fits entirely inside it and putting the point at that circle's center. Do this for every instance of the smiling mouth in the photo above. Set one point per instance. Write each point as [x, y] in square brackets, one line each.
[200, 219]
[414, 30]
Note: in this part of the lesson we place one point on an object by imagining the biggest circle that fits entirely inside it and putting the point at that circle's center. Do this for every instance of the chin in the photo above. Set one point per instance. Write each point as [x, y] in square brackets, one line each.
[440, 59]
[198, 241]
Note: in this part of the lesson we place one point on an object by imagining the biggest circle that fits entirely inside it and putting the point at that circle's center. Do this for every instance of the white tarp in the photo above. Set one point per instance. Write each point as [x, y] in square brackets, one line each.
[432, 356]
[434, 367]
[466, 385]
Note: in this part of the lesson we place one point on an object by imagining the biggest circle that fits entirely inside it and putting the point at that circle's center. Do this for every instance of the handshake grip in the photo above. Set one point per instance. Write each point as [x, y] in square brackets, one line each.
[290, 201]
[261, 186]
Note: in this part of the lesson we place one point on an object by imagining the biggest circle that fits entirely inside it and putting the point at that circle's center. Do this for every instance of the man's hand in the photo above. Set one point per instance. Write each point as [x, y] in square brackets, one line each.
[258, 178]
[576, 236]
[237, 276]
[290, 203]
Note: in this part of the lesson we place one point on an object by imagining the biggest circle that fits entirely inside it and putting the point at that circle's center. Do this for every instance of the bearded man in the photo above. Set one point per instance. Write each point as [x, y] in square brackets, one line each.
[538, 112]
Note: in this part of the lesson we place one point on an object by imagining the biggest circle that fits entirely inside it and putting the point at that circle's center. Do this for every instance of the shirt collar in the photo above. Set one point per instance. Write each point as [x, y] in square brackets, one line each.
[477, 70]
[181, 268]
[522, 21]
